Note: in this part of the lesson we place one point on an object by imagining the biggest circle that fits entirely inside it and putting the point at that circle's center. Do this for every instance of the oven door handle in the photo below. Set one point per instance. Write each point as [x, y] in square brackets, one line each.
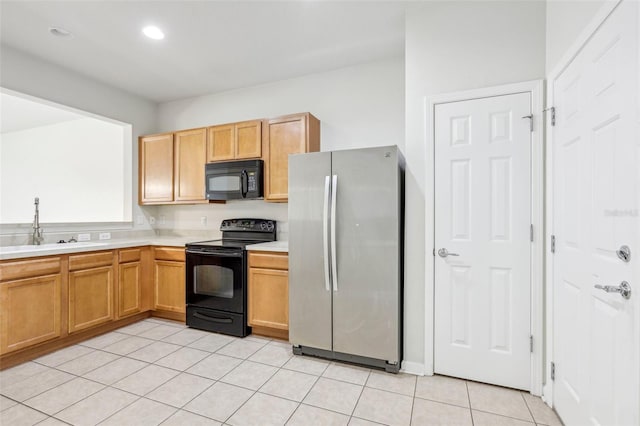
[214, 253]
[212, 319]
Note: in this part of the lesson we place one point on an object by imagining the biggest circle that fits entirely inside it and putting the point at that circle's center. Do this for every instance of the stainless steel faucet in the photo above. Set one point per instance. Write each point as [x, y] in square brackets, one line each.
[37, 232]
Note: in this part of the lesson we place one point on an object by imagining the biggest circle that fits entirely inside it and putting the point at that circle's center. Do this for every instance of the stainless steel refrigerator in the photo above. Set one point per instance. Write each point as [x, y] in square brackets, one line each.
[345, 255]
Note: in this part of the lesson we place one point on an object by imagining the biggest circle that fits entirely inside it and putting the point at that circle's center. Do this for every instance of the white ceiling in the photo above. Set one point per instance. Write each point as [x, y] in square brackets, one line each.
[19, 114]
[210, 46]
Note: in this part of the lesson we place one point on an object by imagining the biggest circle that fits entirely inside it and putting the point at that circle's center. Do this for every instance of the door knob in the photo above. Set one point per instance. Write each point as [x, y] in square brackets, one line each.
[624, 289]
[443, 252]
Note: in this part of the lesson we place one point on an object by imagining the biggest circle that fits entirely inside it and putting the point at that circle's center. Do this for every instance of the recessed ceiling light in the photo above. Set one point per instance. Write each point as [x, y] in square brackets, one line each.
[60, 32]
[153, 32]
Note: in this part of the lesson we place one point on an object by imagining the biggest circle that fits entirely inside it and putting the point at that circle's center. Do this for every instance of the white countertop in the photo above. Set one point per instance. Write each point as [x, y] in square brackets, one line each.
[281, 246]
[18, 252]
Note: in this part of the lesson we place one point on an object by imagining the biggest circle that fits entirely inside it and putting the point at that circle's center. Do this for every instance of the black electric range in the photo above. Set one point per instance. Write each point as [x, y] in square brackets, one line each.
[216, 276]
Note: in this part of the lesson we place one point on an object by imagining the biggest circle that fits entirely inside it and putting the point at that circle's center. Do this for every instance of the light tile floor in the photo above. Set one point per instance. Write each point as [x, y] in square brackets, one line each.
[159, 372]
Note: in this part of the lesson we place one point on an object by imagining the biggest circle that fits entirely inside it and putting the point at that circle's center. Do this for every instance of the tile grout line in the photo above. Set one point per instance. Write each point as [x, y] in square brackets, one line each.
[359, 396]
[466, 385]
[528, 408]
[413, 400]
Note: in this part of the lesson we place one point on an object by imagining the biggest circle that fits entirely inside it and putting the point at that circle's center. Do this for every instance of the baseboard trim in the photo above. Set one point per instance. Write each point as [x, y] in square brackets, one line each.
[410, 367]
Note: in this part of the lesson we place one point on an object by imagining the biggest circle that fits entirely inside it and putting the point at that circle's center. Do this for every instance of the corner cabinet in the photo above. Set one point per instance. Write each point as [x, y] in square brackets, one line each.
[30, 308]
[291, 134]
[155, 154]
[268, 297]
[171, 167]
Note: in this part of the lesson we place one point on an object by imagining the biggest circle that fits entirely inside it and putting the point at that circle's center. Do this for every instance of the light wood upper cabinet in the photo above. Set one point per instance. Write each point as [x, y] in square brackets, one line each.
[235, 141]
[155, 172]
[248, 139]
[91, 284]
[268, 293]
[171, 167]
[292, 134]
[30, 311]
[190, 158]
[221, 143]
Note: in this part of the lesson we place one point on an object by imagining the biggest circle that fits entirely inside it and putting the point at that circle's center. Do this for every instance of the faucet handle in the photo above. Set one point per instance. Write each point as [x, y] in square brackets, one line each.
[72, 240]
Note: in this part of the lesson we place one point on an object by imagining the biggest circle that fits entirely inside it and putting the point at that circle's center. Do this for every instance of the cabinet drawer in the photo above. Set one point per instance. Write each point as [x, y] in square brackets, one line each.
[93, 260]
[167, 253]
[269, 260]
[129, 255]
[29, 268]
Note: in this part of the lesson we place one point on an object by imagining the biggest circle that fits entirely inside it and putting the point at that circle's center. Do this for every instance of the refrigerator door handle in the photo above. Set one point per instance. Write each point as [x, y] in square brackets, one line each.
[325, 233]
[334, 257]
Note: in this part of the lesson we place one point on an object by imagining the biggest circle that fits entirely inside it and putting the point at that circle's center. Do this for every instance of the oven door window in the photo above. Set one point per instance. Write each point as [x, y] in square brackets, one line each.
[213, 280]
[216, 281]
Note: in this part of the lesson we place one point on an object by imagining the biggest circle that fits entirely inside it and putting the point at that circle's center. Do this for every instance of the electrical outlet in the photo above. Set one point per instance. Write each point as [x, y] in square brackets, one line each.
[152, 220]
[140, 220]
[105, 235]
[203, 220]
[162, 219]
[84, 237]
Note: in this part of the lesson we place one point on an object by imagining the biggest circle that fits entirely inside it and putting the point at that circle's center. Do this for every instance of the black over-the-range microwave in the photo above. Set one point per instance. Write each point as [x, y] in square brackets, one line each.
[234, 180]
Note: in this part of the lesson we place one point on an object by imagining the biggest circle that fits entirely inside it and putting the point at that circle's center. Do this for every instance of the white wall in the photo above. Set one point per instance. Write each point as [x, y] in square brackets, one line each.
[27, 74]
[358, 106]
[75, 167]
[565, 21]
[454, 46]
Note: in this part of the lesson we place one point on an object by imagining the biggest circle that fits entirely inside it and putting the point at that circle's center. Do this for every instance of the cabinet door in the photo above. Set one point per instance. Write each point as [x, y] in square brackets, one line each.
[169, 286]
[248, 139]
[269, 298]
[129, 289]
[155, 169]
[190, 158]
[221, 143]
[90, 297]
[292, 134]
[29, 312]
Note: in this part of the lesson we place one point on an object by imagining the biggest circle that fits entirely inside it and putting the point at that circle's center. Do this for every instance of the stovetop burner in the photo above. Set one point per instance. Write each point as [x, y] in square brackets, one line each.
[239, 233]
[225, 243]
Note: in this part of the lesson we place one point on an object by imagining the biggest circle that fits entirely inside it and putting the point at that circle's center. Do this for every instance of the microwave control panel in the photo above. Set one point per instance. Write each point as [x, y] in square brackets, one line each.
[252, 184]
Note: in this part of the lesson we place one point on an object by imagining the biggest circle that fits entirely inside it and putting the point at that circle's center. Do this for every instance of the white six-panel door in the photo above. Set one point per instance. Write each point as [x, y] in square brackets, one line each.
[483, 218]
[596, 159]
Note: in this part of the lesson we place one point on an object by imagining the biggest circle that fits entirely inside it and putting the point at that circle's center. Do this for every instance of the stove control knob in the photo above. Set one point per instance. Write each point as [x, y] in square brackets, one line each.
[270, 226]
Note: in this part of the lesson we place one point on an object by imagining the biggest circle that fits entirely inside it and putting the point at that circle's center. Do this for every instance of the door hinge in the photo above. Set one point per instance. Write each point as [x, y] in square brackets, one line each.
[553, 370]
[553, 244]
[553, 114]
[531, 344]
[531, 232]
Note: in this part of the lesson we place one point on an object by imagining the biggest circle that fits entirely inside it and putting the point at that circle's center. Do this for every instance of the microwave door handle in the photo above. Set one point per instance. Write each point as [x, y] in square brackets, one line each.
[244, 183]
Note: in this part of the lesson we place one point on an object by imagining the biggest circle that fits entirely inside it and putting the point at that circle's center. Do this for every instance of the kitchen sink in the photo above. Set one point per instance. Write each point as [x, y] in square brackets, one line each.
[47, 247]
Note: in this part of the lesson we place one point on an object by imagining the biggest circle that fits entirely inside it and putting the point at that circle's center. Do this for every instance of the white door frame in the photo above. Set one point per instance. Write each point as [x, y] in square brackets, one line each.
[601, 15]
[536, 89]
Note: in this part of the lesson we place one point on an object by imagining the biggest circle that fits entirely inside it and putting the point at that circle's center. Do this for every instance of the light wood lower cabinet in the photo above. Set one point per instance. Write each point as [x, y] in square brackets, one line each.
[268, 297]
[90, 291]
[48, 302]
[169, 280]
[30, 311]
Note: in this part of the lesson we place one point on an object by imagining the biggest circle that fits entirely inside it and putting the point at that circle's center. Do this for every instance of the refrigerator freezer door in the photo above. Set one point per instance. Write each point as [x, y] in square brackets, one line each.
[366, 305]
[309, 294]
